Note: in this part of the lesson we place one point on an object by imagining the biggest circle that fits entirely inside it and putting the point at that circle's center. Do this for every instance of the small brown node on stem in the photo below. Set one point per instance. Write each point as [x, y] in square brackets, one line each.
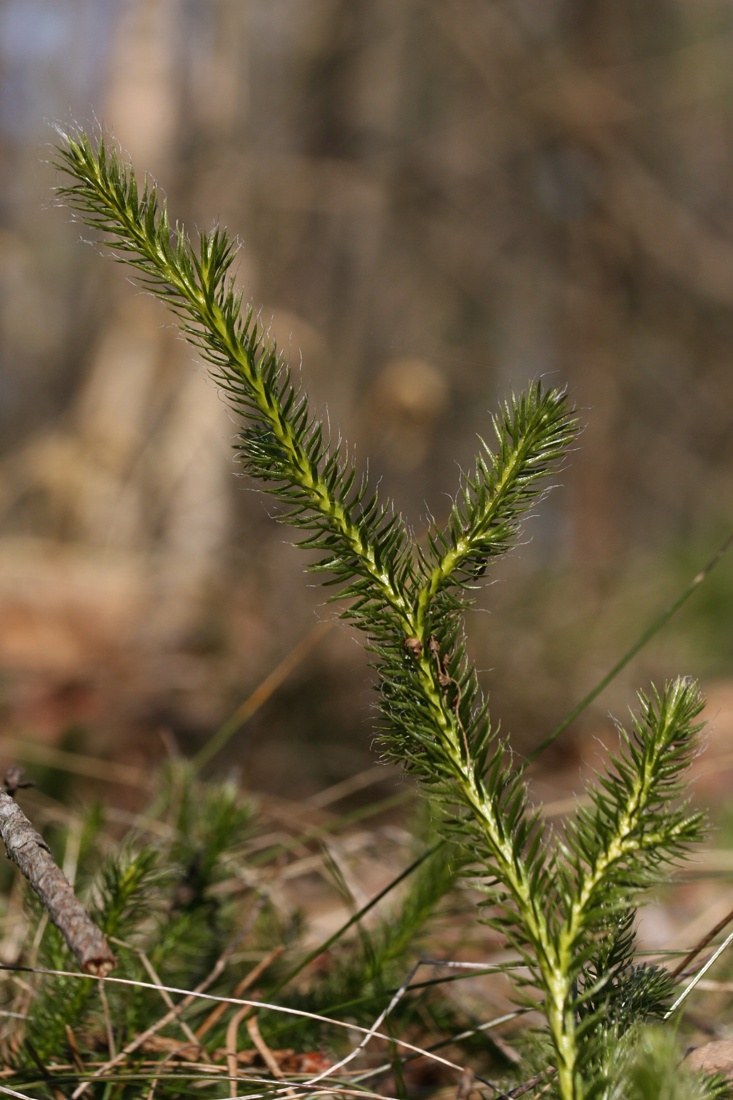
[413, 647]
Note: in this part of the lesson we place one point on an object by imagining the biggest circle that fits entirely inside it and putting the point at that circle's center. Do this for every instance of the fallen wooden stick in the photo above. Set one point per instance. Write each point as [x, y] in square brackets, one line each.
[29, 850]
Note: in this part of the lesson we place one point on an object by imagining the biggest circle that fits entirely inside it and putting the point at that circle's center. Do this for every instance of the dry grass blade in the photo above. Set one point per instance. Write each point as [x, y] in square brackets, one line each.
[11, 1092]
[284, 1010]
[195, 1040]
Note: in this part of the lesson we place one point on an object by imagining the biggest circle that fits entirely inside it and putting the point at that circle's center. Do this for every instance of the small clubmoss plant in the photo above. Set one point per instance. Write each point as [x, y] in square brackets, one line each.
[565, 907]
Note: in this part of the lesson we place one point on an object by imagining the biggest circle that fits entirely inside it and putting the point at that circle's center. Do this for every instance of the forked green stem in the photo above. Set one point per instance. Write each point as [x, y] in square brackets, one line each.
[563, 907]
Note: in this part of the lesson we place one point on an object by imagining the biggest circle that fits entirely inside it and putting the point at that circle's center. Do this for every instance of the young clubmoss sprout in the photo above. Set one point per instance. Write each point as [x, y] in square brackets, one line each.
[565, 907]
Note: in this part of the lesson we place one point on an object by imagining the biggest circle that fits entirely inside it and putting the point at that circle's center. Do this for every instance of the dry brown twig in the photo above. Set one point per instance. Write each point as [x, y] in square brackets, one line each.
[27, 848]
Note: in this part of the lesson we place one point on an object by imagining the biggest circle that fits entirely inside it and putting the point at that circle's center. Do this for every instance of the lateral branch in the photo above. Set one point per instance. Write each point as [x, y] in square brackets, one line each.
[28, 849]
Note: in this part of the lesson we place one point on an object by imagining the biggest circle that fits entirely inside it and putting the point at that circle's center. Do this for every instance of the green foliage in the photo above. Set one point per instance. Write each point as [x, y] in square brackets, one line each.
[155, 902]
[564, 907]
[185, 922]
[650, 1068]
[361, 974]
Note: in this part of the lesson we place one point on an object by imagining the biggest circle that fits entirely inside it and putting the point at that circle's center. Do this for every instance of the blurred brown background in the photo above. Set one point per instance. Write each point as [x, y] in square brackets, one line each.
[438, 200]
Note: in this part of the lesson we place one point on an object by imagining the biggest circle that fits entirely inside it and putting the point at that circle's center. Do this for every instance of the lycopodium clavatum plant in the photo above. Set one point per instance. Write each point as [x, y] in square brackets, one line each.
[564, 904]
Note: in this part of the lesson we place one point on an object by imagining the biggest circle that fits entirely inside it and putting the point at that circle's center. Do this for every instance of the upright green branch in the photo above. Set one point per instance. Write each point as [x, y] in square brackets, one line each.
[564, 908]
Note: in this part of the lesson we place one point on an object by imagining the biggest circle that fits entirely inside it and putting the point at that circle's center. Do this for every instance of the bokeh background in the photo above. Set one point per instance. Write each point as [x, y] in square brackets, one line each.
[438, 200]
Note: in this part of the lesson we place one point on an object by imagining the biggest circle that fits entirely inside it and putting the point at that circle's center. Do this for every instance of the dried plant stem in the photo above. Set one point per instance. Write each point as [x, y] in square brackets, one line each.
[28, 849]
[175, 1011]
